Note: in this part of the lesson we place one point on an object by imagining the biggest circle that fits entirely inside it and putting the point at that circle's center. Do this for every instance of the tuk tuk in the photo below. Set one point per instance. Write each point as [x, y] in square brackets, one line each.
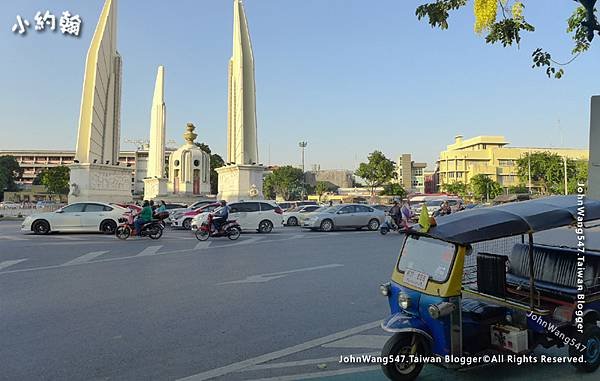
[475, 289]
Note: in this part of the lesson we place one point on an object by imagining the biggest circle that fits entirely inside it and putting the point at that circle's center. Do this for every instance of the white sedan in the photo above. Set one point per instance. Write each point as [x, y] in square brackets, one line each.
[294, 216]
[77, 217]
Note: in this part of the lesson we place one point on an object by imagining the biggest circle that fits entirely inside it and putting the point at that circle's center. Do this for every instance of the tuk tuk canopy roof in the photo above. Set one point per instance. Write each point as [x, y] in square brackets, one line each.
[482, 224]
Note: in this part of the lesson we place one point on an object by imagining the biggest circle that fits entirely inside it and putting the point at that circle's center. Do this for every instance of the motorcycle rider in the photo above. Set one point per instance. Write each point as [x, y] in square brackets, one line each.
[396, 213]
[220, 215]
[145, 216]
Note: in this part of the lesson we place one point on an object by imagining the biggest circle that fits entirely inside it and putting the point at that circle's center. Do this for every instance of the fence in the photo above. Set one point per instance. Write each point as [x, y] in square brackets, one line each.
[23, 212]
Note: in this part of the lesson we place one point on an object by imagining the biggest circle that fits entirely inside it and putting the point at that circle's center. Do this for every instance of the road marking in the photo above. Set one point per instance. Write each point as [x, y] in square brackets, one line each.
[360, 341]
[12, 238]
[202, 245]
[290, 364]
[329, 373]
[12, 262]
[237, 366]
[150, 250]
[261, 278]
[68, 238]
[85, 258]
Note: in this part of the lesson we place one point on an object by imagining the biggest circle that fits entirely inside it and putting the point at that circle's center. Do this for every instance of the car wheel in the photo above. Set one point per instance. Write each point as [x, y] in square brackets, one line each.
[373, 224]
[265, 226]
[591, 354]
[108, 227]
[41, 227]
[292, 221]
[327, 225]
[402, 345]
[187, 224]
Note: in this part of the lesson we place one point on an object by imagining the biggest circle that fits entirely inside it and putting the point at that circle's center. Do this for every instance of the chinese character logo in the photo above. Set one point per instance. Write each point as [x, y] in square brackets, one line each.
[21, 24]
[69, 24]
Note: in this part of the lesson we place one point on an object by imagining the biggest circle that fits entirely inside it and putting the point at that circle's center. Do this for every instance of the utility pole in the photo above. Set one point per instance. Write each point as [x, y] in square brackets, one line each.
[529, 170]
[302, 146]
[565, 170]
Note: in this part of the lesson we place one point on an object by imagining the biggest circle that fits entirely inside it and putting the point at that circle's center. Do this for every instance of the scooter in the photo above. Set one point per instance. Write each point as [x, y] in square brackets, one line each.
[230, 229]
[388, 225]
[153, 229]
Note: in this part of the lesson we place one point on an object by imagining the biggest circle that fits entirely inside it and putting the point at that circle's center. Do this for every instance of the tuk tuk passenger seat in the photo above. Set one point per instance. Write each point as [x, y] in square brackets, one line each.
[555, 268]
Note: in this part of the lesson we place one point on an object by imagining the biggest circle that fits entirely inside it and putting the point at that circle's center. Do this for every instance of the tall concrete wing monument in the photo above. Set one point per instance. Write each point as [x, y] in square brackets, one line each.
[96, 174]
[242, 177]
[594, 163]
[155, 184]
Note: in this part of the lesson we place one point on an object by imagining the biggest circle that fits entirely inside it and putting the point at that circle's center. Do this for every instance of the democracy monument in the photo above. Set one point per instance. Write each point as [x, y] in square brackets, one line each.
[96, 173]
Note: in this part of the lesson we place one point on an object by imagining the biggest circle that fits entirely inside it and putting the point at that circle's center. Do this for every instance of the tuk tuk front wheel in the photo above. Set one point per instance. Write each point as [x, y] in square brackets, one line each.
[591, 355]
[399, 348]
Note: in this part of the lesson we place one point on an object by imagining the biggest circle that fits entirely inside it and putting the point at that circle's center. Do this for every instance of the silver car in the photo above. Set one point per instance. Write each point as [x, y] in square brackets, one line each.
[345, 216]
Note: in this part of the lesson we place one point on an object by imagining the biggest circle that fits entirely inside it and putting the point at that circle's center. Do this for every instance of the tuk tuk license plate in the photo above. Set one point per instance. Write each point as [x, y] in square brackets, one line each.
[416, 278]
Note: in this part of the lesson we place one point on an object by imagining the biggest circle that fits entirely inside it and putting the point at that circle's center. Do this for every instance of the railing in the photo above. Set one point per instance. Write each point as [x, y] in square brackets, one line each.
[23, 212]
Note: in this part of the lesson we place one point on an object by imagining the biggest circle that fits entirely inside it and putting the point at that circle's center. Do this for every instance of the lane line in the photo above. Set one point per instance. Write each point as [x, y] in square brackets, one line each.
[202, 245]
[84, 258]
[150, 250]
[260, 278]
[12, 262]
[290, 364]
[13, 238]
[237, 366]
[329, 373]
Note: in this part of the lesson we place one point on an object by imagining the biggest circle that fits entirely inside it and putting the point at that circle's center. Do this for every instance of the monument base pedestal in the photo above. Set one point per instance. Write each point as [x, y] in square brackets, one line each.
[240, 182]
[99, 182]
[154, 188]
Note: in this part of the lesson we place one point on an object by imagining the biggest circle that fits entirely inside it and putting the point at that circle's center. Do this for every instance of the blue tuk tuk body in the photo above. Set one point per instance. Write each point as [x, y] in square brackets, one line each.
[526, 297]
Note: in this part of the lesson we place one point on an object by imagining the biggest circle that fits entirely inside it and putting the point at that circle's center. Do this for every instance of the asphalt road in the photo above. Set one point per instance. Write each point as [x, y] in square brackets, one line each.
[281, 306]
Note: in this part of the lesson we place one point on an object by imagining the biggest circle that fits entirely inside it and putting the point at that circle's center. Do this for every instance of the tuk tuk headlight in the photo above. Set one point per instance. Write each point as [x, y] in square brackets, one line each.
[403, 300]
[385, 289]
[437, 311]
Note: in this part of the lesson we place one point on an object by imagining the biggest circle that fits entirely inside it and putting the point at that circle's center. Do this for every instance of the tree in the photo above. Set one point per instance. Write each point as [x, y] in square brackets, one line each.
[377, 171]
[457, 188]
[285, 182]
[393, 189]
[484, 188]
[56, 179]
[323, 187]
[547, 171]
[216, 161]
[521, 188]
[10, 172]
[503, 22]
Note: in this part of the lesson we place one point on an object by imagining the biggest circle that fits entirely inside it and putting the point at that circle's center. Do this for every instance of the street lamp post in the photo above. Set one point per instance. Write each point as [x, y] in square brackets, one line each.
[302, 146]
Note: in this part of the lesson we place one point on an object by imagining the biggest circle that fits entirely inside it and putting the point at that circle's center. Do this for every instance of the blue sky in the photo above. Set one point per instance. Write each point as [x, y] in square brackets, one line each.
[348, 76]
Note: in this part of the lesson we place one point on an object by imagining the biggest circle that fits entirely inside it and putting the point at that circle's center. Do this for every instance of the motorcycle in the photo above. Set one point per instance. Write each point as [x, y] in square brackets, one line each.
[388, 225]
[153, 229]
[230, 229]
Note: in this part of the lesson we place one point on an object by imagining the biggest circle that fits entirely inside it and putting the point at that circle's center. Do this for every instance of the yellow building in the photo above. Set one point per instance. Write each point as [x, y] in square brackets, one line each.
[489, 155]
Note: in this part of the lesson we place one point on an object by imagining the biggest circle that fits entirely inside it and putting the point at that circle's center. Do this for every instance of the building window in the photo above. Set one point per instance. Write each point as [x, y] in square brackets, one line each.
[506, 162]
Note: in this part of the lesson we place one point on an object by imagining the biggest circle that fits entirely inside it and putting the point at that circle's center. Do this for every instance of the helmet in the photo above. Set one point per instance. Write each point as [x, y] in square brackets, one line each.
[223, 202]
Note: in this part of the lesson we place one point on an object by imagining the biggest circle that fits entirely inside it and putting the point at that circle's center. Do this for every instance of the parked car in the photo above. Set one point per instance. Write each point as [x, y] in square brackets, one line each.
[76, 217]
[261, 216]
[9, 205]
[384, 208]
[292, 217]
[45, 204]
[288, 205]
[185, 220]
[345, 216]
[176, 211]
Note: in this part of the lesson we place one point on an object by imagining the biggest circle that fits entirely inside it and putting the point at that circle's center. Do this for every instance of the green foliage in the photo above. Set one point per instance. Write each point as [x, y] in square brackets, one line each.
[458, 188]
[508, 28]
[216, 161]
[547, 172]
[284, 182]
[56, 179]
[377, 171]
[483, 187]
[393, 189]
[323, 187]
[437, 13]
[521, 188]
[10, 171]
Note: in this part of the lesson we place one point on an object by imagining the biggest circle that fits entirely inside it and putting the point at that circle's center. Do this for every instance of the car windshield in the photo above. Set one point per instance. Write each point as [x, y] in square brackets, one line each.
[427, 255]
[434, 203]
